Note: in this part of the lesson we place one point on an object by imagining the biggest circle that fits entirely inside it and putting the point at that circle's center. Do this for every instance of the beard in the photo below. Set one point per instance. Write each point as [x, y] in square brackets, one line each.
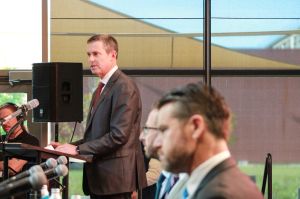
[177, 161]
[151, 153]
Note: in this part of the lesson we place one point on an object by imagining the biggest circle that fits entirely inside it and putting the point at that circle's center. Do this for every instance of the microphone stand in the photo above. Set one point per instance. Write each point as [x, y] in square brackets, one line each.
[267, 178]
[58, 182]
[5, 158]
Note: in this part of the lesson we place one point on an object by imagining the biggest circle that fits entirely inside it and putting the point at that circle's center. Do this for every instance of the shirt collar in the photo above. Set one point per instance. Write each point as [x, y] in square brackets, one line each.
[106, 78]
[166, 173]
[203, 169]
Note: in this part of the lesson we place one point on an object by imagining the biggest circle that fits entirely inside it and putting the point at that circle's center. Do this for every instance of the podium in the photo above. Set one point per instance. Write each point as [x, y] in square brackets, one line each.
[35, 153]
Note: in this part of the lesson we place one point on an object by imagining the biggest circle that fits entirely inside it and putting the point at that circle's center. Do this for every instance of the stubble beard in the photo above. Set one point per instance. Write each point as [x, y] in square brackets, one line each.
[151, 153]
[177, 163]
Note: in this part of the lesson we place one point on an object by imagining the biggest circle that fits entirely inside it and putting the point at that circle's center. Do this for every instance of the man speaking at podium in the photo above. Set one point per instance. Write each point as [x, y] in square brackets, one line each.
[112, 128]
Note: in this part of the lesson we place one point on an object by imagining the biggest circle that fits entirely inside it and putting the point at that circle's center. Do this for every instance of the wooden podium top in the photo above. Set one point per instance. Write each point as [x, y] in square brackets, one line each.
[27, 150]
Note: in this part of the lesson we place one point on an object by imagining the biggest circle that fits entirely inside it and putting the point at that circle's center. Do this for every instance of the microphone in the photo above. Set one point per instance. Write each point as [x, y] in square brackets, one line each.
[60, 170]
[49, 164]
[34, 181]
[62, 160]
[32, 170]
[22, 109]
[52, 163]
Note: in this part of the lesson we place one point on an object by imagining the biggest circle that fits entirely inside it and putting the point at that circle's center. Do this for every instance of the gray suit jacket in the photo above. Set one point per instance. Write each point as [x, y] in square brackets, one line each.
[112, 137]
[226, 181]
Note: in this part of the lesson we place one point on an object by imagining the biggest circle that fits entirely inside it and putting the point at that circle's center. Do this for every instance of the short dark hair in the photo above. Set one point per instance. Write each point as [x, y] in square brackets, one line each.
[197, 98]
[13, 107]
[110, 43]
[9, 105]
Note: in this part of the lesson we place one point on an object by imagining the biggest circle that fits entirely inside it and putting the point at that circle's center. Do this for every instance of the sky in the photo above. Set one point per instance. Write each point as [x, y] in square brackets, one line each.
[20, 33]
[289, 9]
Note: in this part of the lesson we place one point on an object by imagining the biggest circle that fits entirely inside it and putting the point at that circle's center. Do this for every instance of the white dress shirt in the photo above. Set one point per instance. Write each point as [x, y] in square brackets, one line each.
[108, 75]
[202, 170]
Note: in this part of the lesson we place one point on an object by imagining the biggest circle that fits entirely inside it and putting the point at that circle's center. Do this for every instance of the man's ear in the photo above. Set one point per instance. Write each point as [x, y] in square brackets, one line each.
[114, 54]
[198, 125]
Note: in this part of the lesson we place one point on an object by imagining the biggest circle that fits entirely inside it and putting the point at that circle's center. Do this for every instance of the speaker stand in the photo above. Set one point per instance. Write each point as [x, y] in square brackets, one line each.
[55, 183]
[56, 132]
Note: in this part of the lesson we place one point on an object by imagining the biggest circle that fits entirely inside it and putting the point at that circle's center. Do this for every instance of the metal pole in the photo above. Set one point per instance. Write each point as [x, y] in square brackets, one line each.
[207, 42]
[270, 176]
[56, 132]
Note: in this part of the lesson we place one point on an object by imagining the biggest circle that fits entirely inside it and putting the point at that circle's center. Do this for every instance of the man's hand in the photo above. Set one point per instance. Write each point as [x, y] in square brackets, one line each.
[67, 148]
[134, 195]
[55, 144]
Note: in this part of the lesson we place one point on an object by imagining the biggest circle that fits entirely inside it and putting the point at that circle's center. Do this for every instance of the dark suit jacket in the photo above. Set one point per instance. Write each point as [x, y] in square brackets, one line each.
[226, 181]
[149, 191]
[112, 137]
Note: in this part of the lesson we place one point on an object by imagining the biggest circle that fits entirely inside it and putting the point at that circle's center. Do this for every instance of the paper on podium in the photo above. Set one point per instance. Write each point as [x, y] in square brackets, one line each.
[71, 159]
[50, 147]
[76, 160]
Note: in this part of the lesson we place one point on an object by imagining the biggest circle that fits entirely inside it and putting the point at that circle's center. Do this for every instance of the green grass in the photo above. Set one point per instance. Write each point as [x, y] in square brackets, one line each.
[75, 182]
[286, 179]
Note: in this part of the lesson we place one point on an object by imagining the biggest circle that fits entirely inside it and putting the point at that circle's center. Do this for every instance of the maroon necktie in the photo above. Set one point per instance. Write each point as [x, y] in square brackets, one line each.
[97, 93]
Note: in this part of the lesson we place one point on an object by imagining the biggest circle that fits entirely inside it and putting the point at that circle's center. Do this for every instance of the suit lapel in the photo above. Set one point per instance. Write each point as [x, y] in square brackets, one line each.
[104, 94]
[90, 108]
[226, 164]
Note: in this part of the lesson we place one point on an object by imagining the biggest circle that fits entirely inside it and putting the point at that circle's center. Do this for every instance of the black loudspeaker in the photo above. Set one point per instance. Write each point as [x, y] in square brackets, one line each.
[58, 88]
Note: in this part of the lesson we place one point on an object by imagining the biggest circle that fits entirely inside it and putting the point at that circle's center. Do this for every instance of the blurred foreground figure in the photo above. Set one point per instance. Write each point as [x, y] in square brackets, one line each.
[194, 123]
[153, 167]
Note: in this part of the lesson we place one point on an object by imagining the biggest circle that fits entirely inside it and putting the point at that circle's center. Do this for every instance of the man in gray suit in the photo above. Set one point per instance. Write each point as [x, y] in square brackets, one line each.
[112, 128]
[195, 122]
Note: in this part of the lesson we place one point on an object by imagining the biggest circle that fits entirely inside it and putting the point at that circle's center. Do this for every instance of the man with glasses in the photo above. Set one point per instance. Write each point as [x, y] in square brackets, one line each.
[166, 180]
[153, 167]
[194, 123]
[148, 134]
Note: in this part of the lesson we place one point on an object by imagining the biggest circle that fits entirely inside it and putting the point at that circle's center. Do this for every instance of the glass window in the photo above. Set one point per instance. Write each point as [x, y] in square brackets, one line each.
[169, 34]
[20, 34]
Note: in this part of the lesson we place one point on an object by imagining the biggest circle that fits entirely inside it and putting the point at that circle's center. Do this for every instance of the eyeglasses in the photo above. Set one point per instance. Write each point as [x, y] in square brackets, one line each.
[147, 128]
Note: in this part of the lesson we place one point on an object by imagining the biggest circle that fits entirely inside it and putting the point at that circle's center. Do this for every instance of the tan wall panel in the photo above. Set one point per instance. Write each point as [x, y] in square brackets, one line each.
[68, 49]
[144, 52]
[223, 57]
[187, 53]
[155, 52]
[79, 9]
[102, 26]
